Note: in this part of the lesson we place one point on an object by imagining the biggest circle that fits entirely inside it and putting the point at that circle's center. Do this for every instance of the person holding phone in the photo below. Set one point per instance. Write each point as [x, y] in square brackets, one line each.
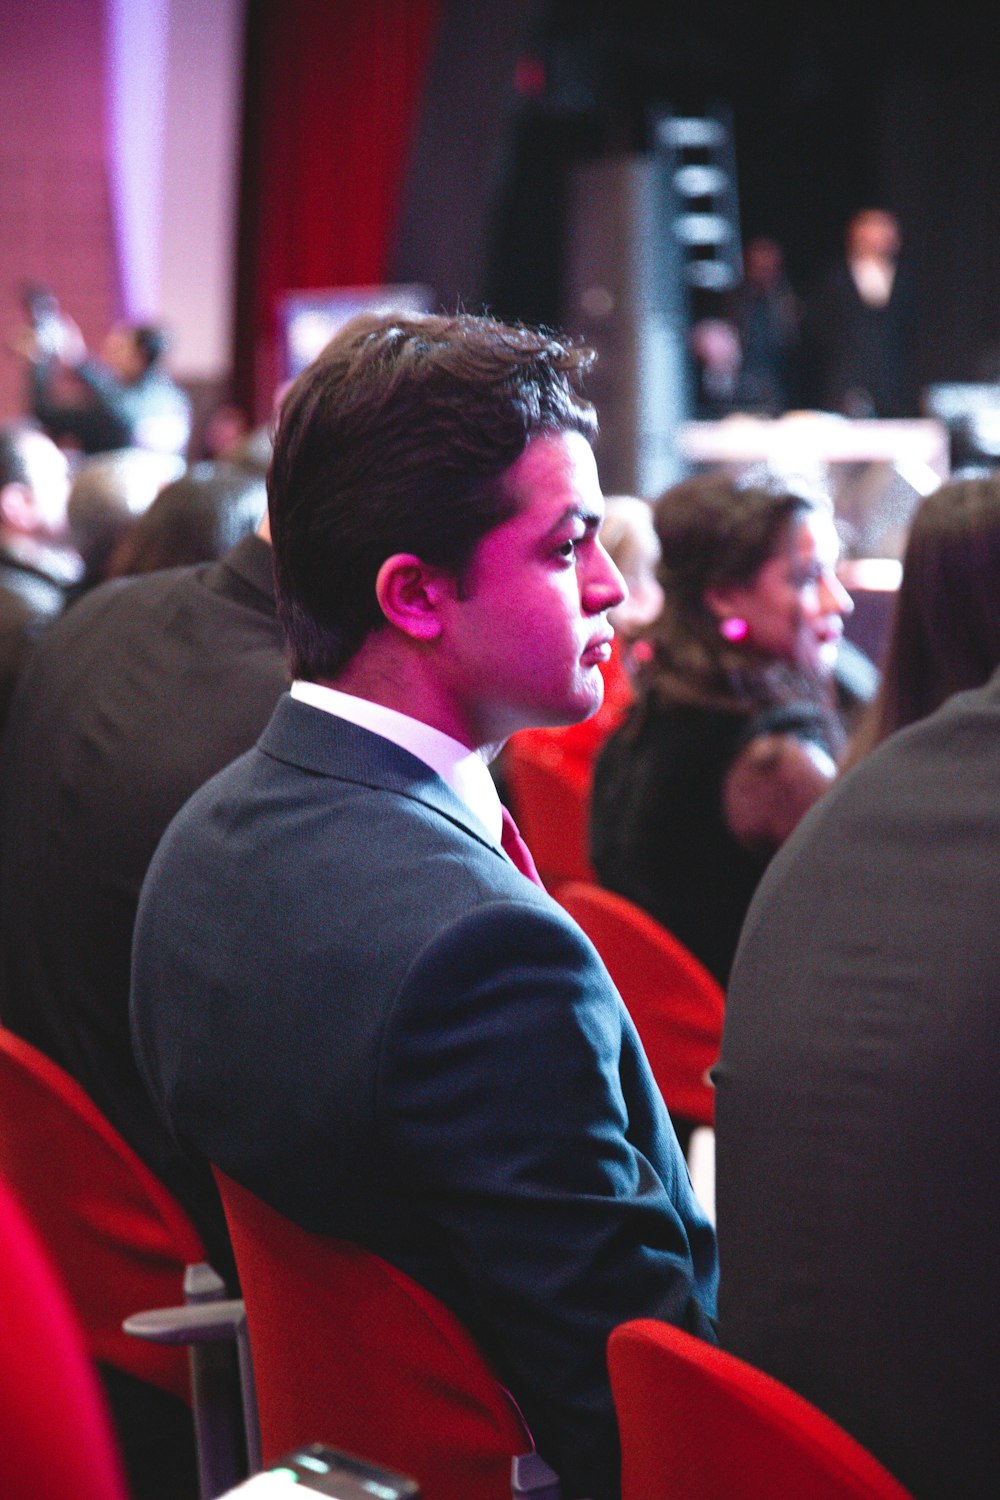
[120, 397]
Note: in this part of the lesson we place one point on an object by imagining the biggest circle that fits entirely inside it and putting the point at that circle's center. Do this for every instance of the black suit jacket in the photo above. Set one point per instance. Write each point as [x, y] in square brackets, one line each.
[857, 1116]
[347, 997]
[858, 359]
[29, 602]
[140, 693]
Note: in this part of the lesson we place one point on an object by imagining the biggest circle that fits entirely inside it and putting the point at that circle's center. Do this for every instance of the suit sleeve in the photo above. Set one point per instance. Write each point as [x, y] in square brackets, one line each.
[514, 1088]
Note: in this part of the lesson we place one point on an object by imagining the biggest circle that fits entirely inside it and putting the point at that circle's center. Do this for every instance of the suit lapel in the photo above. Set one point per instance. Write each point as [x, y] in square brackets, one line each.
[318, 742]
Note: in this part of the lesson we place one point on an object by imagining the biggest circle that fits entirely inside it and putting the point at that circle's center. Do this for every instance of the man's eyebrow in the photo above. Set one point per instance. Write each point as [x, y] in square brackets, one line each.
[591, 519]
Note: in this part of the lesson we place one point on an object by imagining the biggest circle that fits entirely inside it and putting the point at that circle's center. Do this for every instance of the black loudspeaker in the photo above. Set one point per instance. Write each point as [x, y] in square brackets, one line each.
[626, 294]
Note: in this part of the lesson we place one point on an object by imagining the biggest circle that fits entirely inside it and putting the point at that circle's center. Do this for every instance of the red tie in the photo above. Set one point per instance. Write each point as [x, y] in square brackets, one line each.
[517, 850]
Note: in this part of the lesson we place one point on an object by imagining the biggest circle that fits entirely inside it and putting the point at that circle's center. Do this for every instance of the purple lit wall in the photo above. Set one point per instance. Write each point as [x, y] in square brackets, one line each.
[118, 169]
[55, 222]
[174, 82]
[136, 113]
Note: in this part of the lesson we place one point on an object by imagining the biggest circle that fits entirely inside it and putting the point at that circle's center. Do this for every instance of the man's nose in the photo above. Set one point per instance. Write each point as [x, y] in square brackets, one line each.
[605, 587]
[834, 598]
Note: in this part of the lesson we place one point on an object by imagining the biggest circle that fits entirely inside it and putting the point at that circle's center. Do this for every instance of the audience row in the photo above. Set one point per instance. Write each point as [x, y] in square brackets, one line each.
[289, 933]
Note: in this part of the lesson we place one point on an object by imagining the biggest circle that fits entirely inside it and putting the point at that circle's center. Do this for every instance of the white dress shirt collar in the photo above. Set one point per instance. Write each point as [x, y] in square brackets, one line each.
[461, 768]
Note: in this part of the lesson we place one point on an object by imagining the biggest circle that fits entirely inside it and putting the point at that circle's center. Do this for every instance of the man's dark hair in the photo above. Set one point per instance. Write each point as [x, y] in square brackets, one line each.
[398, 438]
[151, 342]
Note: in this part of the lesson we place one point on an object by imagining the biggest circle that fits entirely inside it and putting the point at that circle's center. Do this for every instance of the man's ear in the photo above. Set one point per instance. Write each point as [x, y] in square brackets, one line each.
[17, 507]
[411, 593]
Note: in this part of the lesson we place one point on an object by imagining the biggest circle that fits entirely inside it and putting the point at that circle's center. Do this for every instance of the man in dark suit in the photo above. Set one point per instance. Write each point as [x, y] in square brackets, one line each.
[859, 325]
[858, 1137]
[136, 696]
[133, 699]
[345, 994]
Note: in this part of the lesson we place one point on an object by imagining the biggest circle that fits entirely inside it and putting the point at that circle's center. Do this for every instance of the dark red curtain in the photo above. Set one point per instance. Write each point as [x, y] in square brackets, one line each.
[332, 93]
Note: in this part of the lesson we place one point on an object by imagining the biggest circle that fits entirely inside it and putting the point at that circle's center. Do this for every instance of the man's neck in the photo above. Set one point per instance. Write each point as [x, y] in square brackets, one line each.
[404, 681]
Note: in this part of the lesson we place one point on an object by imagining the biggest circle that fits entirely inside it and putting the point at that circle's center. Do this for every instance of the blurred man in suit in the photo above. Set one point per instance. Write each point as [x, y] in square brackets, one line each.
[858, 1139]
[37, 566]
[859, 326]
[135, 697]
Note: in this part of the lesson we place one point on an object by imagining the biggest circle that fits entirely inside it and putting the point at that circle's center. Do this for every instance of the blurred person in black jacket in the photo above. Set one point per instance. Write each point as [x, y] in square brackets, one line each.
[37, 566]
[138, 694]
[859, 326]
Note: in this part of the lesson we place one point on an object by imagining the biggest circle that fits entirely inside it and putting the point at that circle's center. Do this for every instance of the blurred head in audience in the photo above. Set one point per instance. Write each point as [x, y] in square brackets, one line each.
[873, 234]
[763, 264]
[630, 540]
[196, 518]
[254, 450]
[130, 349]
[225, 431]
[34, 484]
[945, 630]
[751, 598]
[108, 493]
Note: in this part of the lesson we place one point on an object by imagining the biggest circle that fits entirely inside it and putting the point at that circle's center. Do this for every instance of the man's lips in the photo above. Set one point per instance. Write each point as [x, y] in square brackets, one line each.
[597, 650]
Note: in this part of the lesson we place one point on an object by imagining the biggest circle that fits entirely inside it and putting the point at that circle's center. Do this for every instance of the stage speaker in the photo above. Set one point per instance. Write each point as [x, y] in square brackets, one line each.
[626, 294]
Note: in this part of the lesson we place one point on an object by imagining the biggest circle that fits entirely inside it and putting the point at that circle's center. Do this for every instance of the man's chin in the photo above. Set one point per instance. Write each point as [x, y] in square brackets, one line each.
[573, 710]
[586, 705]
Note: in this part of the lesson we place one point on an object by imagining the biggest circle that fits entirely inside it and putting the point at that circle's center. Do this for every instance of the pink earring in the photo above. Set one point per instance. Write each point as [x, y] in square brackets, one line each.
[734, 629]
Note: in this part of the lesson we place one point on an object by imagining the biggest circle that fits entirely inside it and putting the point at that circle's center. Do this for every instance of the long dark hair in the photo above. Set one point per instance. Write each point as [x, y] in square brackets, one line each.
[945, 630]
[715, 531]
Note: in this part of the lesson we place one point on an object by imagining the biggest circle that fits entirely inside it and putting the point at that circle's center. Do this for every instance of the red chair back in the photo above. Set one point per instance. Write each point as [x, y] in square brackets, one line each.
[699, 1424]
[119, 1238]
[349, 1351]
[56, 1438]
[675, 1002]
[550, 799]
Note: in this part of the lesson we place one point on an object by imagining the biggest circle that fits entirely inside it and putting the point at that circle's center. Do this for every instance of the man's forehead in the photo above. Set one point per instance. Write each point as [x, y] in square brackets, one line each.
[556, 467]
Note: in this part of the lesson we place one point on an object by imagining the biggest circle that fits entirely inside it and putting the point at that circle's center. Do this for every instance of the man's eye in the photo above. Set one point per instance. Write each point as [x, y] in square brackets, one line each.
[568, 548]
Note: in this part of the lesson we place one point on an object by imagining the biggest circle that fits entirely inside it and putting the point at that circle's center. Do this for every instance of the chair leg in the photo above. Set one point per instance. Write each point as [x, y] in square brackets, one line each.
[248, 1390]
[531, 1477]
[217, 1396]
[223, 1395]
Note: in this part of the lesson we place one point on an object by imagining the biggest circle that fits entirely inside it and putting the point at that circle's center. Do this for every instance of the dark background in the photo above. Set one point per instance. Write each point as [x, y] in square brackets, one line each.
[835, 106]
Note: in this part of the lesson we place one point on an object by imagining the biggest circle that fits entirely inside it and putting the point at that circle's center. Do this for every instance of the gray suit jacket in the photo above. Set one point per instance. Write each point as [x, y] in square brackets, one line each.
[348, 998]
[858, 1107]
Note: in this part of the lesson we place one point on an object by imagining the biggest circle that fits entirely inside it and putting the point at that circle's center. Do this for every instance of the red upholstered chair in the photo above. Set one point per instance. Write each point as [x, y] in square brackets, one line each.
[549, 793]
[123, 1245]
[119, 1238]
[56, 1440]
[675, 1002]
[699, 1424]
[351, 1352]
